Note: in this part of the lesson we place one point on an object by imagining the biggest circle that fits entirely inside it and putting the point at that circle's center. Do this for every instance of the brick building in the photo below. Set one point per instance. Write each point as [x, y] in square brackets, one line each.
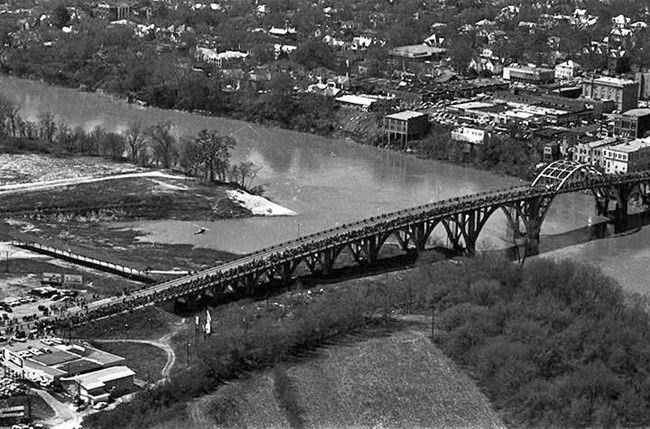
[624, 92]
[404, 125]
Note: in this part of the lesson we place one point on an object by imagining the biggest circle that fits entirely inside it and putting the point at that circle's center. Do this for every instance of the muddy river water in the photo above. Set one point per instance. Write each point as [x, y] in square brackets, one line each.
[328, 182]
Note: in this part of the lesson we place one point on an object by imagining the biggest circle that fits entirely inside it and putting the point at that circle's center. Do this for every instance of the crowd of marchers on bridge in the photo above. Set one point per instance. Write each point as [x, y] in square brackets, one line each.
[294, 251]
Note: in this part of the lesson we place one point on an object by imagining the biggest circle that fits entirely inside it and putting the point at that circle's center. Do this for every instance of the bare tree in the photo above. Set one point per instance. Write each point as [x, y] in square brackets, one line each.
[113, 145]
[46, 126]
[216, 153]
[163, 143]
[244, 173]
[192, 157]
[136, 143]
[8, 114]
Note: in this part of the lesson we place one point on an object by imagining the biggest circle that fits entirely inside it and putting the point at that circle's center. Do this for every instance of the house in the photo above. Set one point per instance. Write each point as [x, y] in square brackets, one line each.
[489, 65]
[567, 70]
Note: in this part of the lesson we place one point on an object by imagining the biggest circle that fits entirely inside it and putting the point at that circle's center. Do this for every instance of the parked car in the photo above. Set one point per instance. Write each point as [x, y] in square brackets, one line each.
[100, 405]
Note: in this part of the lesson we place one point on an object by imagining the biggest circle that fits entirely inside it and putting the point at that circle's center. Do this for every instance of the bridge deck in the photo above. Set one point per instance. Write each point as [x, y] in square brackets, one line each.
[110, 267]
[276, 256]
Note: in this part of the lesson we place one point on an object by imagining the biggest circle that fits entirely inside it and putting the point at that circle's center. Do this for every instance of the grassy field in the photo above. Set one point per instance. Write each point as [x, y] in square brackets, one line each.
[391, 379]
[145, 359]
[148, 323]
[31, 167]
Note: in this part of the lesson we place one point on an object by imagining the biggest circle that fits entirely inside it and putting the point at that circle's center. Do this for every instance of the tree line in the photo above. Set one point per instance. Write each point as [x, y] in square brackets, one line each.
[552, 344]
[206, 155]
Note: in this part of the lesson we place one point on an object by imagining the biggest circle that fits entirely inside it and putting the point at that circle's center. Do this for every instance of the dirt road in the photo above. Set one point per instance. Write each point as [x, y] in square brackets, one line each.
[37, 186]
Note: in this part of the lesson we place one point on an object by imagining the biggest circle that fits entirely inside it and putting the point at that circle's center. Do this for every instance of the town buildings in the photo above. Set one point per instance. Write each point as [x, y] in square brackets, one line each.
[51, 362]
[627, 157]
[624, 92]
[632, 124]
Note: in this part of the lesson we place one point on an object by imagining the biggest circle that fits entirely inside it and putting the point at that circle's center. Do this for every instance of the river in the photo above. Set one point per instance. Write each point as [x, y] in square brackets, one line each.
[328, 182]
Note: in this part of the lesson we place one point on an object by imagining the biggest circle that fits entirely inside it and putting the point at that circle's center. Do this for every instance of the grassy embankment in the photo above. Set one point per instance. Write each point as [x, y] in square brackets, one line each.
[550, 344]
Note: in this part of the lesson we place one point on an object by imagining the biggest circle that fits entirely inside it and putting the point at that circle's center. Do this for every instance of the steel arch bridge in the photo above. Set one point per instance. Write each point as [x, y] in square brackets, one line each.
[558, 173]
[461, 219]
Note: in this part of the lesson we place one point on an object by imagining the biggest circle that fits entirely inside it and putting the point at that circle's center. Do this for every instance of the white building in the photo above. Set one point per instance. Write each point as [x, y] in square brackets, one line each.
[567, 70]
[627, 157]
[469, 135]
[593, 153]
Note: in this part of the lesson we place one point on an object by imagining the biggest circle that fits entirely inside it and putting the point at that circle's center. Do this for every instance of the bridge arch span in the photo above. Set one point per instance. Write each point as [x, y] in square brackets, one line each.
[556, 174]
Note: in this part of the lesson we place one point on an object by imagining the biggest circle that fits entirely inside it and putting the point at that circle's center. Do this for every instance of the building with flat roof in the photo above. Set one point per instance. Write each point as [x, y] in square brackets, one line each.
[471, 135]
[357, 101]
[99, 386]
[418, 52]
[624, 92]
[627, 157]
[42, 360]
[593, 152]
[633, 124]
[404, 125]
[531, 75]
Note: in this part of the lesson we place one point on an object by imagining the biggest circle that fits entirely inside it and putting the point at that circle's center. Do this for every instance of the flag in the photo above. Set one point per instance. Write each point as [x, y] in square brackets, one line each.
[208, 323]
[198, 322]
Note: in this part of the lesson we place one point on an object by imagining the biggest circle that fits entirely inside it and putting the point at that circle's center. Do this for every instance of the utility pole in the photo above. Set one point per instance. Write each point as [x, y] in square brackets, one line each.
[188, 354]
[7, 260]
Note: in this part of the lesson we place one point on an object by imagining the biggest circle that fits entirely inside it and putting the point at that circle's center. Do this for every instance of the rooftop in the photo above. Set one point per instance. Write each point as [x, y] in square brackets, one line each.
[613, 81]
[97, 379]
[417, 51]
[405, 115]
[356, 99]
[637, 112]
[632, 146]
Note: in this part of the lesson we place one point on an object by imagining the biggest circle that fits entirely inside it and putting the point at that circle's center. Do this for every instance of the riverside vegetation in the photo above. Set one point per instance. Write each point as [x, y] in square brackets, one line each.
[550, 343]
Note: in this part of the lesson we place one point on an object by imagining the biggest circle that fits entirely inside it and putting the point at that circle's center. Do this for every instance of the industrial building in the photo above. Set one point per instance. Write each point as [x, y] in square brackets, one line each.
[99, 386]
[47, 361]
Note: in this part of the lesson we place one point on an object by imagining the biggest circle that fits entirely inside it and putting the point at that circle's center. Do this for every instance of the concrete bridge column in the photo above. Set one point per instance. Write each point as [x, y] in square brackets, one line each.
[371, 248]
[327, 261]
[620, 212]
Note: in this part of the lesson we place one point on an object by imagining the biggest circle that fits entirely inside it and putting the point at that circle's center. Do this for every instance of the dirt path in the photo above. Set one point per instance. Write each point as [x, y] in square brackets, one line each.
[163, 343]
[37, 186]
[65, 418]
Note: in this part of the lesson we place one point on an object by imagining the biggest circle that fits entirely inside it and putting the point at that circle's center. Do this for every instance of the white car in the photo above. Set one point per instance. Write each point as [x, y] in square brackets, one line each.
[100, 405]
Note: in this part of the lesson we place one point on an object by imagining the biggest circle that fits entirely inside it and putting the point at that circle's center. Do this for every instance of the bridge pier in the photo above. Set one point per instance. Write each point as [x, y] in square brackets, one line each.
[620, 196]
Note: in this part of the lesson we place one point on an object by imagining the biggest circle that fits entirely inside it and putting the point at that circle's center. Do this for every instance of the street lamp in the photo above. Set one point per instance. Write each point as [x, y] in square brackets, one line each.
[299, 224]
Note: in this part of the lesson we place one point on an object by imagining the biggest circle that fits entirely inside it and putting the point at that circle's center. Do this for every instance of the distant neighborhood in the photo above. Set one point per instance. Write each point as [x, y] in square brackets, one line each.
[570, 75]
